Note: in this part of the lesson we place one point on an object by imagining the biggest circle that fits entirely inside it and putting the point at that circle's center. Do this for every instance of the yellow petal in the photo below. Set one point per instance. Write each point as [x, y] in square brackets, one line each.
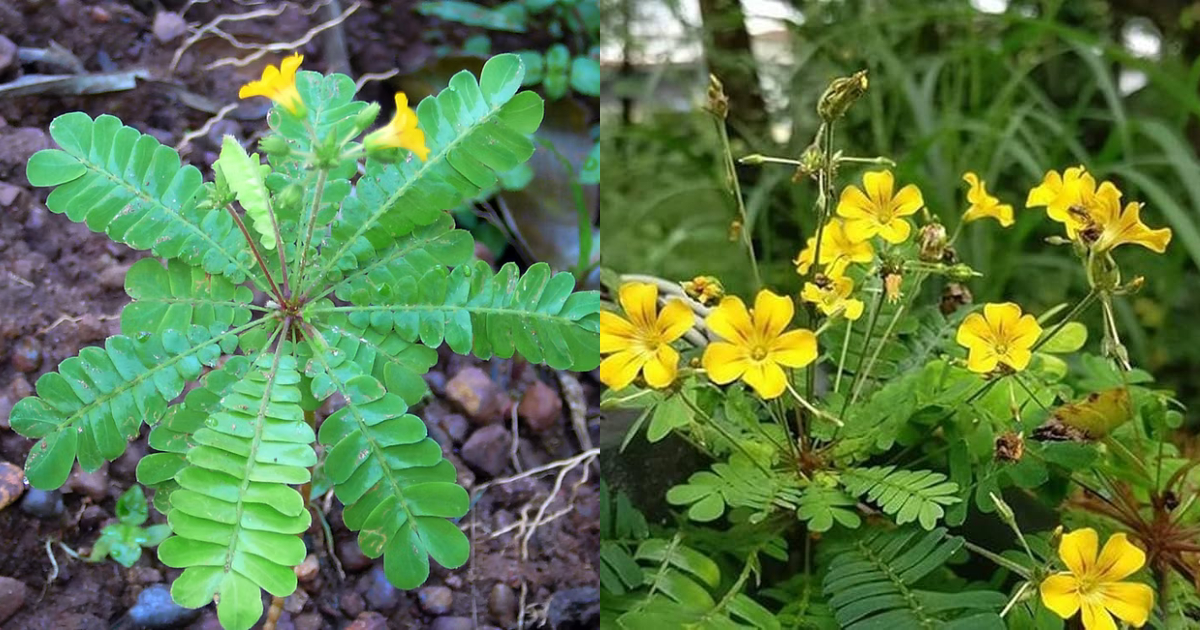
[414, 140]
[1095, 617]
[853, 204]
[974, 186]
[895, 231]
[862, 229]
[619, 370]
[1130, 229]
[854, 309]
[974, 332]
[1130, 601]
[1017, 358]
[1078, 550]
[878, 186]
[1060, 594]
[1026, 332]
[640, 301]
[724, 362]
[1045, 193]
[795, 348]
[288, 67]
[772, 314]
[812, 293]
[767, 378]
[731, 321]
[1119, 559]
[616, 333]
[660, 371]
[908, 201]
[982, 360]
[1002, 318]
[675, 319]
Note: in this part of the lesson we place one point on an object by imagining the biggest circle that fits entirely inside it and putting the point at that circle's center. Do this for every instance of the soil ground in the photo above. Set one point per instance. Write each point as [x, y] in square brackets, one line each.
[61, 288]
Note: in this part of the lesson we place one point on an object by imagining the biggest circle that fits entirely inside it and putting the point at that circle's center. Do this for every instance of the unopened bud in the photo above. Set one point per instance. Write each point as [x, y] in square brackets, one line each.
[735, 230]
[891, 286]
[840, 95]
[366, 118]
[960, 272]
[811, 163]
[718, 102]
[1002, 509]
[704, 289]
[275, 146]
[931, 242]
[754, 159]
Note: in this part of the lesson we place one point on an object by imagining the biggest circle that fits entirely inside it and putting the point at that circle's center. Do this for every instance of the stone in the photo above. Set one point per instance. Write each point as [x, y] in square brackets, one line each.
[540, 407]
[8, 54]
[307, 570]
[488, 449]
[309, 621]
[12, 597]
[352, 604]
[93, 485]
[43, 504]
[8, 193]
[295, 602]
[574, 609]
[12, 483]
[144, 575]
[452, 623]
[168, 26]
[436, 600]
[156, 610]
[369, 621]
[352, 556]
[27, 355]
[477, 395]
[380, 593]
[502, 604]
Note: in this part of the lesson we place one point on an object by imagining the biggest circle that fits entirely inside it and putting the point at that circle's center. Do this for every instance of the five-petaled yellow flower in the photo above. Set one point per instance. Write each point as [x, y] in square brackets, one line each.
[838, 251]
[984, 204]
[1001, 334]
[401, 133]
[279, 85]
[642, 343]
[833, 297]
[756, 348]
[1093, 583]
[879, 210]
[1107, 226]
[1068, 196]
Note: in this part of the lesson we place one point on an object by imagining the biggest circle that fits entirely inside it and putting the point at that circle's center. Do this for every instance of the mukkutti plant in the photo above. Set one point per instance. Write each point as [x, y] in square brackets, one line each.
[365, 277]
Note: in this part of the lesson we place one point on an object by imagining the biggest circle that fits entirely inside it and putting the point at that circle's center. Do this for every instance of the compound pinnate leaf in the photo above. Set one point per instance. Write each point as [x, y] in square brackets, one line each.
[129, 186]
[179, 296]
[96, 402]
[243, 173]
[235, 519]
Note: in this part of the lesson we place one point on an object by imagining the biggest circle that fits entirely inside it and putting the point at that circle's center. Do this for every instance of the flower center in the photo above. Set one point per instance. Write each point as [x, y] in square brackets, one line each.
[758, 353]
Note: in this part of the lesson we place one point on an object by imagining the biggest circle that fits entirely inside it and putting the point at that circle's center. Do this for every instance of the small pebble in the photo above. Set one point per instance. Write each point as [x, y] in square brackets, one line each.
[452, 623]
[502, 604]
[168, 26]
[309, 621]
[436, 600]
[574, 609]
[12, 483]
[8, 193]
[12, 597]
[20, 388]
[308, 569]
[296, 601]
[352, 556]
[8, 53]
[92, 484]
[369, 621]
[488, 449]
[380, 593]
[477, 395]
[27, 355]
[352, 604]
[144, 575]
[156, 610]
[541, 406]
[42, 504]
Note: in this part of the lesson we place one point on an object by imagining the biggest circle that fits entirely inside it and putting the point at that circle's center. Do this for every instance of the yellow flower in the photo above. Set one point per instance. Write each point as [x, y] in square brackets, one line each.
[1064, 195]
[878, 210]
[1000, 335]
[642, 343]
[984, 204]
[1108, 226]
[838, 250]
[834, 297]
[401, 133]
[279, 85]
[756, 348]
[1093, 583]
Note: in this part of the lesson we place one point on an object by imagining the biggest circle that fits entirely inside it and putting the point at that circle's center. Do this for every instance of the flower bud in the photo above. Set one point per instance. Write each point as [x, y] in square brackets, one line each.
[735, 230]
[931, 242]
[718, 102]
[366, 118]
[892, 282]
[754, 159]
[840, 95]
[704, 289]
[275, 146]
[1002, 509]
[811, 163]
[960, 272]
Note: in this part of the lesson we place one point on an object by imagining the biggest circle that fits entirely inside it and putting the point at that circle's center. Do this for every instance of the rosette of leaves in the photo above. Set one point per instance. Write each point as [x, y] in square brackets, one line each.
[365, 277]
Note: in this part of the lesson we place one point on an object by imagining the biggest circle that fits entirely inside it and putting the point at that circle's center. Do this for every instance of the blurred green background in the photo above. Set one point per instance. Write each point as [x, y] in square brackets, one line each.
[1008, 89]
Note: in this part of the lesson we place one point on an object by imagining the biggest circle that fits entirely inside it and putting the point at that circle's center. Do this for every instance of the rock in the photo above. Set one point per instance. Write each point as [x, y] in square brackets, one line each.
[452, 623]
[144, 575]
[155, 609]
[352, 604]
[125, 466]
[502, 604]
[380, 593]
[309, 621]
[20, 388]
[27, 355]
[16, 145]
[351, 556]
[369, 621]
[475, 393]
[168, 26]
[12, 484]
[296, 601]
[436, 600]
[42, 504]
[8, 192]
[541, 406]
[574, 609]
[8, 54]
[92, 484]
[488, 449]
[308, 569]
[436, 380]
[112, 272]
[12, 597]
[6, 405]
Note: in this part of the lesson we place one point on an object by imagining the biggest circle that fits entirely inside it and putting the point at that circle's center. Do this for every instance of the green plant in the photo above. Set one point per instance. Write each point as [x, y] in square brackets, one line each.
[124, 539]
[365, 276]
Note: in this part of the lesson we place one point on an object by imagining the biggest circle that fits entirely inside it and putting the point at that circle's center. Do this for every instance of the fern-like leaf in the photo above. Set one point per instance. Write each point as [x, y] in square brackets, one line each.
[907, 495]
[474, 129]
[397, 488]
[873, 585]
[244, 175]
[178, 296]
[396, 363]
[236, 521]
[129, 186]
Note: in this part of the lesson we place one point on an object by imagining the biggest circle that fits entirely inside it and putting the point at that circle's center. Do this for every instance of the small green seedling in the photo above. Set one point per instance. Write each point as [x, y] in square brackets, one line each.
[123, 541]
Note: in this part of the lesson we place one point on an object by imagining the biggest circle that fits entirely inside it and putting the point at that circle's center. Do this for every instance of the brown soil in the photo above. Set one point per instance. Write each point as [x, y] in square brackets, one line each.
[61, 288]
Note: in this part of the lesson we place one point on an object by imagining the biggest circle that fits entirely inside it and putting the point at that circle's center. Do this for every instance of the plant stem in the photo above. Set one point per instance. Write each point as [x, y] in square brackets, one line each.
[736, 188]
[998, 559]
[724, 433]
[322, 175]
[1068, 318]
[861, 382]
[279, 248]
[825, 195]
[254, 249]
[837, 382]
[862, 355]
